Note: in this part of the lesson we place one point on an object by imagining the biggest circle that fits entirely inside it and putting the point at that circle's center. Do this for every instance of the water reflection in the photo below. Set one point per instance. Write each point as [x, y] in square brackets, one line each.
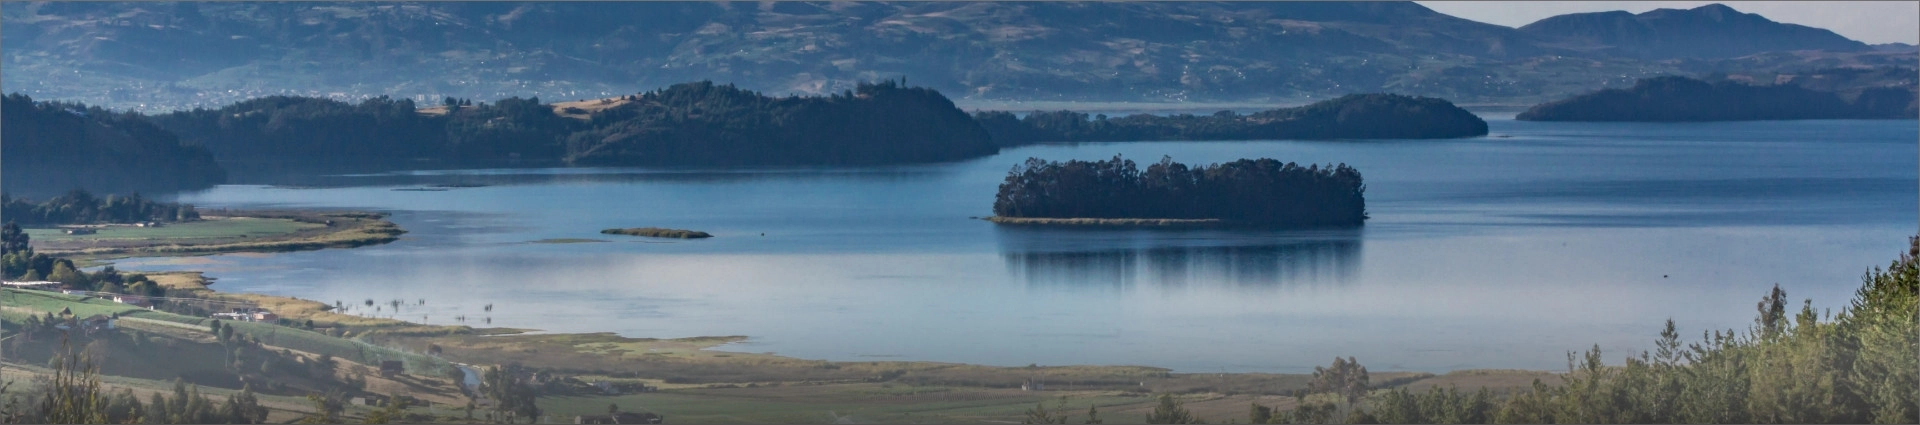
[1125, 259]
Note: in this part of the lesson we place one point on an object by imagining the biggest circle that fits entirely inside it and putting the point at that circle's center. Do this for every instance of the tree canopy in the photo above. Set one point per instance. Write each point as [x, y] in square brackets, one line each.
[56, 146]
[1674, 98]
[1248, 191]
[81, 207]
[708, 124]
[699, 123]
[1358, 116]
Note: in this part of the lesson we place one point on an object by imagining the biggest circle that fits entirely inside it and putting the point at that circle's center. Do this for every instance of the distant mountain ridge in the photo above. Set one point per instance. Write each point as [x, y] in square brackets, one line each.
[149, 56]
[1713, 30]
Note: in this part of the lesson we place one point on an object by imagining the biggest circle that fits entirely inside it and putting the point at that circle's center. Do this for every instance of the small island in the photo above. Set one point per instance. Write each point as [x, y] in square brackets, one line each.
[1115, 192]
[1357, 116]
[656, 232]
[1682, 99]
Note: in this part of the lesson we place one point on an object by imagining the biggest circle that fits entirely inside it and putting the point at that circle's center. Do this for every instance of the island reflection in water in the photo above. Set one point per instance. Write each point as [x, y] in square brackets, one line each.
[1126, 258]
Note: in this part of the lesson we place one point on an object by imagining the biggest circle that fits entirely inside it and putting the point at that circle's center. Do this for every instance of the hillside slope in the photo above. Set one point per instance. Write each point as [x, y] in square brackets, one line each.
[51, 147]
[169, 55]
[1711, 31]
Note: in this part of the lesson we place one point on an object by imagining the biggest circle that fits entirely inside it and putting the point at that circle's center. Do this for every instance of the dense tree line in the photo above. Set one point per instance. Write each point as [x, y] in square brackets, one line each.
[1249, 191]
[1358, 116]
[56, 146]
[1673, 98]
[511, 128]
[378, 131]
[19, 262]
[313, 130]
[81, 207]
[1859, 364]
[685, 124]
[705, 123]
[708, 124]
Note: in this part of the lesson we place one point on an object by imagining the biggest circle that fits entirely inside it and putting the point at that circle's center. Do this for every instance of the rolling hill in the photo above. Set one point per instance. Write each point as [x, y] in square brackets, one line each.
[163, 56]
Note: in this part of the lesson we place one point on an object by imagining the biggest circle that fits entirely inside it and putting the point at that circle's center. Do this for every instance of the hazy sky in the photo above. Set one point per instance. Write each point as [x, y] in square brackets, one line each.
[1872, 22]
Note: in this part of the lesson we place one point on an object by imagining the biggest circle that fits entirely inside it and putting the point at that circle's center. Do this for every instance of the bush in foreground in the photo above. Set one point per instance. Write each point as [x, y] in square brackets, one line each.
[1860, 364]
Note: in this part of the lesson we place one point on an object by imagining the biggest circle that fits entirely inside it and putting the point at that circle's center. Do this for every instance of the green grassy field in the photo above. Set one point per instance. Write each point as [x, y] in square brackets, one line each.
[218, 228]
[19, 303]
[258, 231]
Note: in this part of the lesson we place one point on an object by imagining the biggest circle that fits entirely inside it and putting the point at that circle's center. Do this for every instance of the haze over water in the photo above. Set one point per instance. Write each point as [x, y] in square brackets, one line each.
[1499, 252]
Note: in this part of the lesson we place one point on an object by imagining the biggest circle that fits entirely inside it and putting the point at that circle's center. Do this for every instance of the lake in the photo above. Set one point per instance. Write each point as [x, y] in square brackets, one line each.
[1500, 252]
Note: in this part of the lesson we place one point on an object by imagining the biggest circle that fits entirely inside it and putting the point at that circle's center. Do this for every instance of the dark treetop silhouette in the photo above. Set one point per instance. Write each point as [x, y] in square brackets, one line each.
[1686, 99]
[1359, 116]
[1248, 191]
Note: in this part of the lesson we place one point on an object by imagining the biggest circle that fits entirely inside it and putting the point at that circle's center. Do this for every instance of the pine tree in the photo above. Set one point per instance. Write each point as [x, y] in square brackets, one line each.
[1170, 411]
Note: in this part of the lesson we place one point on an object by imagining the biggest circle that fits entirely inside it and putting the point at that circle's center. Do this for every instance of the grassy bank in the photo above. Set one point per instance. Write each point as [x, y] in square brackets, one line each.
[225, 232]
[695, 381]
[20, 303]
[699, 384]
[147, 350]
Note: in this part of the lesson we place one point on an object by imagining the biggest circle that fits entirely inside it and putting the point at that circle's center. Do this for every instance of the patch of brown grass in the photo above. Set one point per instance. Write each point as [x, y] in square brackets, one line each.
[585, 108]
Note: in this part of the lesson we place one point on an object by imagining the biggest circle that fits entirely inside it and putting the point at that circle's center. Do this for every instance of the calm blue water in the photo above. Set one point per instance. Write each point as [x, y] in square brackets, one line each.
[1498, 252]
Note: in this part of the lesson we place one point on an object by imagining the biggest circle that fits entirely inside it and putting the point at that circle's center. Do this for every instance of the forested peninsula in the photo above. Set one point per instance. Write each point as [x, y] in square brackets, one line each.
[51, 147]
[54, 147]
[1261, 191]
[709, 124]
[1356, 116]
[1679, 99]
[81, 207]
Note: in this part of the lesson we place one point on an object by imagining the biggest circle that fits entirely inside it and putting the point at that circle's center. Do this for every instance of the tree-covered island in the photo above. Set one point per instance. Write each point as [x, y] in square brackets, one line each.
[658, 232]
[1263, 192]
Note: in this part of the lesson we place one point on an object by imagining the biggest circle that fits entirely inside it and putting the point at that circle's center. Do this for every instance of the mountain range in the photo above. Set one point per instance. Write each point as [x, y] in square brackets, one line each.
[161, 56]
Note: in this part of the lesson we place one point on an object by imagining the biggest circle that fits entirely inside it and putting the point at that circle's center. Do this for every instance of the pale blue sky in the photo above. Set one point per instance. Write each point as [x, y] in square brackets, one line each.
[1871, 22]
